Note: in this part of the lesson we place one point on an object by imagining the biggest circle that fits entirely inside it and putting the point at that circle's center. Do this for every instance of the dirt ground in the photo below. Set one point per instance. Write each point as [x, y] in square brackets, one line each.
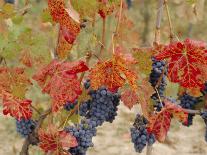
[114, 139]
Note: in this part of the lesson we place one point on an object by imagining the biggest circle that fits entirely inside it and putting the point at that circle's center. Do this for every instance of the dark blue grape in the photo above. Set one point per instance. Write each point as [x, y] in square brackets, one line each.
[25, 127]
[156, 72]
[84, 133]
[129, 3]
[9, 1]
[204, 116]
[188, 102]
[204, 91]
[139, 135]
[87, 84]
[102, 107]
[69, 106]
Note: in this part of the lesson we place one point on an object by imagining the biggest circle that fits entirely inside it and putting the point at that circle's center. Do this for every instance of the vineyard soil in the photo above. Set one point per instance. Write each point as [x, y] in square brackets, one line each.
[113, 139]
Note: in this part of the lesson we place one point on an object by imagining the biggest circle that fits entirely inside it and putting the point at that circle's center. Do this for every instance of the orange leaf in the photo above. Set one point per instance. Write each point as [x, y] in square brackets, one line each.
[61, 15]
[109, 73]
[144, 93]
[65, 43]
[26, 59]
[159, 123]
[57, 142]
[59, 80]
[14, 81]
[129, 98]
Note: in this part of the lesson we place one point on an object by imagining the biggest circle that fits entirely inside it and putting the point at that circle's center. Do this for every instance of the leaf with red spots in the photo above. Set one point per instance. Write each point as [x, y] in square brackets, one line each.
[144, 93]
[60, 81]
[16, 107]
[68, 19]
[26, 58]
[129, 98]
[186, 61]
[106, 7]
[110, 73]
[13, 86]
[65, 43]
[63, 16]
[159, 123]
[57, 142]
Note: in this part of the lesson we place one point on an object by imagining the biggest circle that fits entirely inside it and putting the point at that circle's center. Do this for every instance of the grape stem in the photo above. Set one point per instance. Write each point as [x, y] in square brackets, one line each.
[169, 21]
[103, 36]
[159, 96]
[33, 137]
[158, 21]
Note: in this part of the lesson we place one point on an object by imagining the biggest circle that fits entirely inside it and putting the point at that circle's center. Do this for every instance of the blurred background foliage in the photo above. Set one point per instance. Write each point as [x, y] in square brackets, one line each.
[27, 30]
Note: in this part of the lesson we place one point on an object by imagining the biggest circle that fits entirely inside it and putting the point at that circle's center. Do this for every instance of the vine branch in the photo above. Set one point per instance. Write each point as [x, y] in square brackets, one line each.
[169, 21]
[158, 21]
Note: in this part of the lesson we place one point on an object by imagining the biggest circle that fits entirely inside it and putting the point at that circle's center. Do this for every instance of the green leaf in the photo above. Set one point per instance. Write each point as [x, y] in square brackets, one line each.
[45, 16]
[85, 7]
[74, 118]
[17, 19]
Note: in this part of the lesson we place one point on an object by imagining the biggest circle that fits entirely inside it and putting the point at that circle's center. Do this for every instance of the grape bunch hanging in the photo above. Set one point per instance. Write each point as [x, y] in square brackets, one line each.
[86, 93]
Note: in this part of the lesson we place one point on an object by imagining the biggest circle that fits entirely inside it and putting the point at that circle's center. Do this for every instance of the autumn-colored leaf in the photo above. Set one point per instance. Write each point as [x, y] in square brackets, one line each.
[13, 86]
[65, 43]
[195, 92]
[110, 73]
[60, 81]
[185, 62]
[143, 58]
[62, 16]
[14, 81]
[57, 142]
[129, 98]
[26, 58]
[144, 93]
[159, 123]
[16, 107]
[106, 7]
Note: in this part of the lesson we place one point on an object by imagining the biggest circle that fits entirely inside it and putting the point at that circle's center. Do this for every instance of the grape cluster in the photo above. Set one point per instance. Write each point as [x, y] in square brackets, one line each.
[139, 135]
[9, 1]
[204, 116]
[204, 91]
[100, 108]
[83, 133]
[129, 3]
[156, 72]
[188, 102]
[69, 106]
[25, 127]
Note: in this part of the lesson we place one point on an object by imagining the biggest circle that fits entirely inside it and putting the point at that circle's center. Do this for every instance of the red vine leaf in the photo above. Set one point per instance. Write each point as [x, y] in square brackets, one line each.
[159, 123]
[129, 98]
[57, 142]
[110, 73]
[60, 81]
[16, 107]
[185, 62]
[65, 43]
[13, 86]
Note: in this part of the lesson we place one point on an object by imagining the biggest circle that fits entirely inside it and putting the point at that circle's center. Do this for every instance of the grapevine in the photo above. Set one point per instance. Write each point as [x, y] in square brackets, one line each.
[68, 76]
